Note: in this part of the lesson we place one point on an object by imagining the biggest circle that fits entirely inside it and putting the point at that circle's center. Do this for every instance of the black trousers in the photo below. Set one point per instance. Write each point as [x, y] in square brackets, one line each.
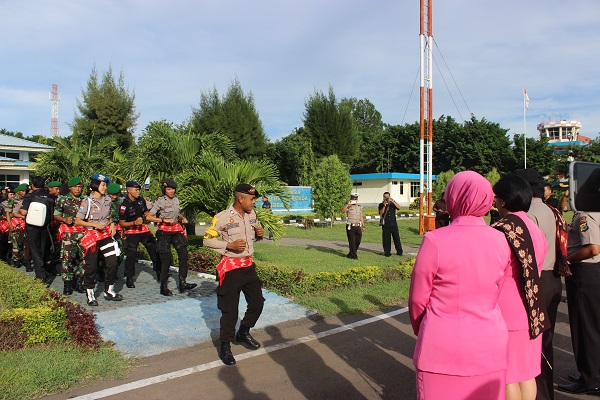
[106, 248]
[551, 294]
[583, 301]
[387, 233]
[179, 242]
[132, 240]
[354, 234]
[4, 247]
[39, 249]
[228, 297]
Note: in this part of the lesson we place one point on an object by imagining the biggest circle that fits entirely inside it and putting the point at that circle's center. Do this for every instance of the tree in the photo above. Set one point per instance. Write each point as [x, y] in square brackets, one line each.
[106, 110]
[539, 155]
[478, 145]
[439, 185]
[235, 116]
[294, 158]
[332, 185]
[71, 157]
[404, 154]
[330, 127]
[493, 176]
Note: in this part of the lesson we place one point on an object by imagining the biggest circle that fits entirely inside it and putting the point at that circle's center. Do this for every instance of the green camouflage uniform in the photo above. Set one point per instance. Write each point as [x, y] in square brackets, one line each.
[71, 252]
[20, 246]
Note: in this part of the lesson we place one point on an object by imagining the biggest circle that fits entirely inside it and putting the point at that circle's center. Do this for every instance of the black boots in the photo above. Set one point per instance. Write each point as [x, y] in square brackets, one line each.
[68, 288]
[183, 286]
[91, 299]
[225, 354]
[79, 284]
[243, 335]
[111, 295]
[129, 282]
[164, 290]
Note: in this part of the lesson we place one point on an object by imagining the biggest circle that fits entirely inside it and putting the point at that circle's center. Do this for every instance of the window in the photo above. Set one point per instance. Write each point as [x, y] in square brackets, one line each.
[401, 188]
[10, 180]
[394, 182]
[554, 133]
[414, 189]
[357, 183]
[14, 156]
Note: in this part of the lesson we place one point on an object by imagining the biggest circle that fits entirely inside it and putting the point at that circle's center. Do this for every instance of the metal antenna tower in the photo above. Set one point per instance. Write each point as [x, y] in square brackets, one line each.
[426, 119]
[54, 98]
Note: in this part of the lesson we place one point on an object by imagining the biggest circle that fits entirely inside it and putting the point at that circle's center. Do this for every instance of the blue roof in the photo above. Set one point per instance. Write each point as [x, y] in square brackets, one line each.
[570, 142]
[11, 141]
[387, 175]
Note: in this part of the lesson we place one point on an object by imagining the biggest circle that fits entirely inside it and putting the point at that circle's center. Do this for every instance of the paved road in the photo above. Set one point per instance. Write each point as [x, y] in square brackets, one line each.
[337, 357]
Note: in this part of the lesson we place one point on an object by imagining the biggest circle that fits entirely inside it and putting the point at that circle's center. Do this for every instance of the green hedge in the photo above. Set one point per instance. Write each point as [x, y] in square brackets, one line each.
[31, 314]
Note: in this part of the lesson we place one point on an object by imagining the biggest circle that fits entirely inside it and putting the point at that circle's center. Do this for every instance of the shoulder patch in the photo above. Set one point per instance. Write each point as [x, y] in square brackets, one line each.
[583, 225]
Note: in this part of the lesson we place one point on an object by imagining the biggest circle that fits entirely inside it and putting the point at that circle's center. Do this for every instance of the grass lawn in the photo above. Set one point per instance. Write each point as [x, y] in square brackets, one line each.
[314, 259]
[36, 372]
[409, 232]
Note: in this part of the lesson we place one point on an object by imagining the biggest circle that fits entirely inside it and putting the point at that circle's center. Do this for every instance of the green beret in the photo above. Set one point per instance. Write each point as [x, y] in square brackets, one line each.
[21, 187]
[74, 181]
[54, 184]
[113, 188]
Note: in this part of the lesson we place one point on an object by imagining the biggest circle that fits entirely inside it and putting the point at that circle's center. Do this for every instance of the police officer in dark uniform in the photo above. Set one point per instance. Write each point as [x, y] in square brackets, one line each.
[166, 212]
[39, 236]
[131, 219]
[389, 225]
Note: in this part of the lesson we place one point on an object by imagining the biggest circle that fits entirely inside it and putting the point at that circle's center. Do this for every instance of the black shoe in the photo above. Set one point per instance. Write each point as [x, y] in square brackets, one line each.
[183, 285]
[225, 354]
[244, 336]
[93, 303]
[29, 269]
[573, 378]
[79, 284]
[68, 288]
[115, 297]
[399, 254]
[164, 290]
[129, 282]
[387, 255]
[578, 388]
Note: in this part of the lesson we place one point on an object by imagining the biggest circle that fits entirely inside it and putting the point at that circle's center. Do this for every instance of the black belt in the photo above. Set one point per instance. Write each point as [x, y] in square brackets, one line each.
[355, 224]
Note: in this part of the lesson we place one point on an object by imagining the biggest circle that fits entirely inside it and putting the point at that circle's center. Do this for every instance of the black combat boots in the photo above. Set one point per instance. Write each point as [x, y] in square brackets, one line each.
[68, 288]
[225, 354]
[129, 282]
[164, 290]
[243, 335]
[183, 285]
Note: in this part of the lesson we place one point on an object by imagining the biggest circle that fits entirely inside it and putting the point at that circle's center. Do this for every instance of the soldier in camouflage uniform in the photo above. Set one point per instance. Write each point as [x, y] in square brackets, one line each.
[16, 227]
[70, 235]
[54, 189]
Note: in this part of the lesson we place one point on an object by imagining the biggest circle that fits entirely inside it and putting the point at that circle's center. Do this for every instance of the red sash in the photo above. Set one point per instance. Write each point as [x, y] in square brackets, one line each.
[64, 228]
[175, 227]
[3, 226]
[227, 264]
[137, 229]
[88, 242]
[18, 223]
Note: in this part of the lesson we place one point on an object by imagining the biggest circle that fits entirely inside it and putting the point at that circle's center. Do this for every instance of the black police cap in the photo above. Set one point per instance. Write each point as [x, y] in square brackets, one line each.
[246, 189]
[168, 182]
[132, 184]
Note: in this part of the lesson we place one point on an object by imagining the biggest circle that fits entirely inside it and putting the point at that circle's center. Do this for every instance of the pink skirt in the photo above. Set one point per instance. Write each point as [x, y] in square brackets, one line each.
[432, 386]
[524, 356]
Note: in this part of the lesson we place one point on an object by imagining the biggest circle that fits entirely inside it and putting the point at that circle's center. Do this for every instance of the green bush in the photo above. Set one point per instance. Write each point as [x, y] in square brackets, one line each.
[40, 324]
[203, 260]
[296, 282]
[31, 314]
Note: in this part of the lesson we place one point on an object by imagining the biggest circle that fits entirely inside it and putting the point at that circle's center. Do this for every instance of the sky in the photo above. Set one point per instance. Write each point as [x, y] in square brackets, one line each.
[170, 52]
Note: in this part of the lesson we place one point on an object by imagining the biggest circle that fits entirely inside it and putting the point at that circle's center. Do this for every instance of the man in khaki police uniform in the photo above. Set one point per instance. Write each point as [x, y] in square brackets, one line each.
[583, 300]
[238, 228]
[355, 225]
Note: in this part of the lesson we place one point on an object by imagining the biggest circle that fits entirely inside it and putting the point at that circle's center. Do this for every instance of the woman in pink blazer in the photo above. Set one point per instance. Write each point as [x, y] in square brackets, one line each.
[461, 350]
[525, 324]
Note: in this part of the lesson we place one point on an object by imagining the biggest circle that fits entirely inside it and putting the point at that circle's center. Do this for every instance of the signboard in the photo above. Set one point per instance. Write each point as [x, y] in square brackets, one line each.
[301, 201]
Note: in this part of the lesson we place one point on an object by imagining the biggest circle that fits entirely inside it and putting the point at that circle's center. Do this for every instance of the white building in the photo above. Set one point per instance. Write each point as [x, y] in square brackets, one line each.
[403, 187]
[16, 157]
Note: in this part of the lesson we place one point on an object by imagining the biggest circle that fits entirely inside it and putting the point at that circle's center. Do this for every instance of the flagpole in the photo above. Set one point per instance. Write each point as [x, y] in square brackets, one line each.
[525, 107]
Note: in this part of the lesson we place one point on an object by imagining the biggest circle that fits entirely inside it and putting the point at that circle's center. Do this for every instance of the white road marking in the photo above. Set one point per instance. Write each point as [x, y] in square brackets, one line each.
[214, 364]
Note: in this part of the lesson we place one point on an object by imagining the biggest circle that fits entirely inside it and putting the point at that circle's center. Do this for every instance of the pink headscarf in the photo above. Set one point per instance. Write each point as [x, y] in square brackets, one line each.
[469, 193]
